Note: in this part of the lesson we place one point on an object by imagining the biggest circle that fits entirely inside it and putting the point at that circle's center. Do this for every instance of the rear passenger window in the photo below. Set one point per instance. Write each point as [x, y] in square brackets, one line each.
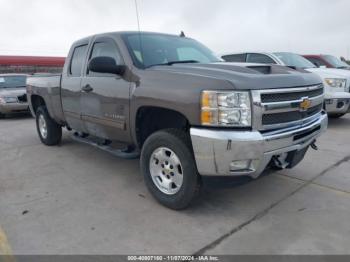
[260, 58]
[77, 62]
[234, 58]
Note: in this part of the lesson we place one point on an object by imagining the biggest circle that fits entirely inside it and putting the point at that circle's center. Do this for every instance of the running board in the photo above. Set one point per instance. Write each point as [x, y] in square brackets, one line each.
[121, 153]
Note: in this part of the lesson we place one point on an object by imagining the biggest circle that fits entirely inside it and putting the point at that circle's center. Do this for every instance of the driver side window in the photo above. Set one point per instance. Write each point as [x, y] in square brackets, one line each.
[108, 49]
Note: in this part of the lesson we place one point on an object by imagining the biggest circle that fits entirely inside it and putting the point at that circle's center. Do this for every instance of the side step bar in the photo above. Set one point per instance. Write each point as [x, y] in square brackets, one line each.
[121, 153]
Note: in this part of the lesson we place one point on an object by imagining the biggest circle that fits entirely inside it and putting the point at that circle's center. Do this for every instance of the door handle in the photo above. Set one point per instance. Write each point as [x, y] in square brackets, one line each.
[87, 88]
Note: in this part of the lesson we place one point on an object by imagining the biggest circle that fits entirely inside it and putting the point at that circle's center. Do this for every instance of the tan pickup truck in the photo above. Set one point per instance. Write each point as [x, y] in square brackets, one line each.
[187, 112]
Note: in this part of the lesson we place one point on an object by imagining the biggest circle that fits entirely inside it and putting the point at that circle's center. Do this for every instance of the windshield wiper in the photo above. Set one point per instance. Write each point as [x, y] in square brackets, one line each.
[176, 62]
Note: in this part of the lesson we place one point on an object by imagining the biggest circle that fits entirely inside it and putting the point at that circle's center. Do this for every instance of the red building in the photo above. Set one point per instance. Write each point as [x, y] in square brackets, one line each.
[31, 64]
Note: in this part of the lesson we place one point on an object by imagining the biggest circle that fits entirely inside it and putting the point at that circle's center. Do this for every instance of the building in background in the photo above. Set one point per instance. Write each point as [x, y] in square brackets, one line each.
[31, 64]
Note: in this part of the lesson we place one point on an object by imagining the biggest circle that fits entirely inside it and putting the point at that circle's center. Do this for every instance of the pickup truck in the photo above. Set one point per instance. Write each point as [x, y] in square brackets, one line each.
[187, 112]
[336, 81]
[327, 61]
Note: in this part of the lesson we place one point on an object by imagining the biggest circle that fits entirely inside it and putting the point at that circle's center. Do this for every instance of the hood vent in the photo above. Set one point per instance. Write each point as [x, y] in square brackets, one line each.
[266, 70]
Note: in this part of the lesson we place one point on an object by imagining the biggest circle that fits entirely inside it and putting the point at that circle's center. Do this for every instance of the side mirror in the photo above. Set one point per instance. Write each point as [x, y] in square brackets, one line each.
[105, 64]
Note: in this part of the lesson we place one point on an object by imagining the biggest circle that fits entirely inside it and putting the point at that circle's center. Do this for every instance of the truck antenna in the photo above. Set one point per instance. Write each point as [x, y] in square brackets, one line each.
[137, 16]
[139, 29]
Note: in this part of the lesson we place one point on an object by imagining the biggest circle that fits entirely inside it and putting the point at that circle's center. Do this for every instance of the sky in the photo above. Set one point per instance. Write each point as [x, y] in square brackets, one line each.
[42, 27]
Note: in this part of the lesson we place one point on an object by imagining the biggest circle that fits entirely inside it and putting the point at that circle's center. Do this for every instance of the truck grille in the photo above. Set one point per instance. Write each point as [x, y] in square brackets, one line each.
[280, 97]
[278, 118]
[279, 108]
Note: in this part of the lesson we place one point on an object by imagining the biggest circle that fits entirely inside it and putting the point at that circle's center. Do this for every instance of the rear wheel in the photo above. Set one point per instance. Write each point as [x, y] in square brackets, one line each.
[50, 133]
[169, 169]
[336, 115]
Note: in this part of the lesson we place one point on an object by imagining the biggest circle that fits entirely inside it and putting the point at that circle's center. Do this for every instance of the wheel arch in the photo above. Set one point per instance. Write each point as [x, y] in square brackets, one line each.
[150, 119]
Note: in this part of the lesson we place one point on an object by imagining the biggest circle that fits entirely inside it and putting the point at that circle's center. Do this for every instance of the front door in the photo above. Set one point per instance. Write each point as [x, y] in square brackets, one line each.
[71, 87]
[105, 101]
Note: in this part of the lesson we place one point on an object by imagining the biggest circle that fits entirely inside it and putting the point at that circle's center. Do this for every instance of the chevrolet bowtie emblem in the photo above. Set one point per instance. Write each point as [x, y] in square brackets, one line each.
[305, 105]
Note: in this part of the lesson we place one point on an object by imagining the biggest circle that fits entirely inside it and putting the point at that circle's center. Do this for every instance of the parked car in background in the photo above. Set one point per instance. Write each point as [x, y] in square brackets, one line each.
[189, 113]
[328, 61]
[336, 81]
[13, 97]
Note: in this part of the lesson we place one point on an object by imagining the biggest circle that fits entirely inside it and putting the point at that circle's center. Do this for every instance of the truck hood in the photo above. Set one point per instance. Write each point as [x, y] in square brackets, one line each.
[12, 92]
[330, 72]
[245, 75]
[333, 73]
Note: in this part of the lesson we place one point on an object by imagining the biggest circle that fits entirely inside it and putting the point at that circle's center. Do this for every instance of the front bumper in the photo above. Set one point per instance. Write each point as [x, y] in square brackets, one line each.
[10, 108]
[337, 103]
[215, 150]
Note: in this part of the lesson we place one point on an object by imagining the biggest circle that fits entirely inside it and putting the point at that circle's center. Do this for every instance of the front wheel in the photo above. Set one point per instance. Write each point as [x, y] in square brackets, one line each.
[50, 133]
[169, 168]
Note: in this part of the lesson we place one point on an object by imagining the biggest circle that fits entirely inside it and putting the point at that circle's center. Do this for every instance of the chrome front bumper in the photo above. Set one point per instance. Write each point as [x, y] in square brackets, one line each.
[337, 105]
[10, 108]
[215, 150]
[337, 102]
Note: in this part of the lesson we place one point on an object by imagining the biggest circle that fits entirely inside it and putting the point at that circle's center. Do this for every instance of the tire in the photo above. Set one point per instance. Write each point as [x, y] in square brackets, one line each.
[334, 116]
[162, 148]
[53, 134]
[2, 116]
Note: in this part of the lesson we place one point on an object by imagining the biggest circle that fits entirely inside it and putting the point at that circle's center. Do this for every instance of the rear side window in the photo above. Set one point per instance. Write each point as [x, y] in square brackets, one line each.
[234, 58]
[260, 58]
[77, 62]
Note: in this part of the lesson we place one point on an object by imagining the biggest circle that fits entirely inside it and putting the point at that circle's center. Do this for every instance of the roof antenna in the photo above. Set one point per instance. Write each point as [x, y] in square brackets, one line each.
[182, 34]
[139, 29]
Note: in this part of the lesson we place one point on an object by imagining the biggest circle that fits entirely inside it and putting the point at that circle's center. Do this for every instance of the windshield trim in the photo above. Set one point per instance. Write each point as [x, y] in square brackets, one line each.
[140, 65]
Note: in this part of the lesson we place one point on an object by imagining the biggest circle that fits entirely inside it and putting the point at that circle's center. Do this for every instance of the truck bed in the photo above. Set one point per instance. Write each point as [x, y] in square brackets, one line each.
[48, 87]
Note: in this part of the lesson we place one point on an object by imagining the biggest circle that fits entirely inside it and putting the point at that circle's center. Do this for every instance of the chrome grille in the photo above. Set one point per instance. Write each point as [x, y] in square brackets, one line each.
[285, 117]
[279, 108]
[281, 97]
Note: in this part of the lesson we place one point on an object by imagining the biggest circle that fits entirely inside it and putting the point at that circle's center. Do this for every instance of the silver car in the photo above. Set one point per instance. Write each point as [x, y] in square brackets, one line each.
[13, 97]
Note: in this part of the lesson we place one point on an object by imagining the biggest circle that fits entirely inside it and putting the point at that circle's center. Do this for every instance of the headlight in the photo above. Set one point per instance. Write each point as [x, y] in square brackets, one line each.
[5, 100]
[336, 82]
[226, 108]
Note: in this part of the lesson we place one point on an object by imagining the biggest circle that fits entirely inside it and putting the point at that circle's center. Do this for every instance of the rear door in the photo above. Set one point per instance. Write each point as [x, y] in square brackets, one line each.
[71, 86]
[105, 107]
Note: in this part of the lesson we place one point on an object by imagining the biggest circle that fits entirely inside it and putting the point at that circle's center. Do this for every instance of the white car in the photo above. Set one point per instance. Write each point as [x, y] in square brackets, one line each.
[336, 81]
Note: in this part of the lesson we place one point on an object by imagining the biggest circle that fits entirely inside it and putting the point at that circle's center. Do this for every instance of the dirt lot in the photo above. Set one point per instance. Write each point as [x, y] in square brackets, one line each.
[75, 199]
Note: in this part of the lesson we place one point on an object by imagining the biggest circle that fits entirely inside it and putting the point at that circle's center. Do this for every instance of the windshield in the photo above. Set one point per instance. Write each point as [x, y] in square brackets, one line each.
[294, 60]
[335, 62]
[12, 81]
[156, 49]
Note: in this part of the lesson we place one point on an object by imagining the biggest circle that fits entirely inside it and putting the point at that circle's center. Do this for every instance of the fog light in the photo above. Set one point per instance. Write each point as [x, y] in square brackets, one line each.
[240, 165]
[340, 104]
